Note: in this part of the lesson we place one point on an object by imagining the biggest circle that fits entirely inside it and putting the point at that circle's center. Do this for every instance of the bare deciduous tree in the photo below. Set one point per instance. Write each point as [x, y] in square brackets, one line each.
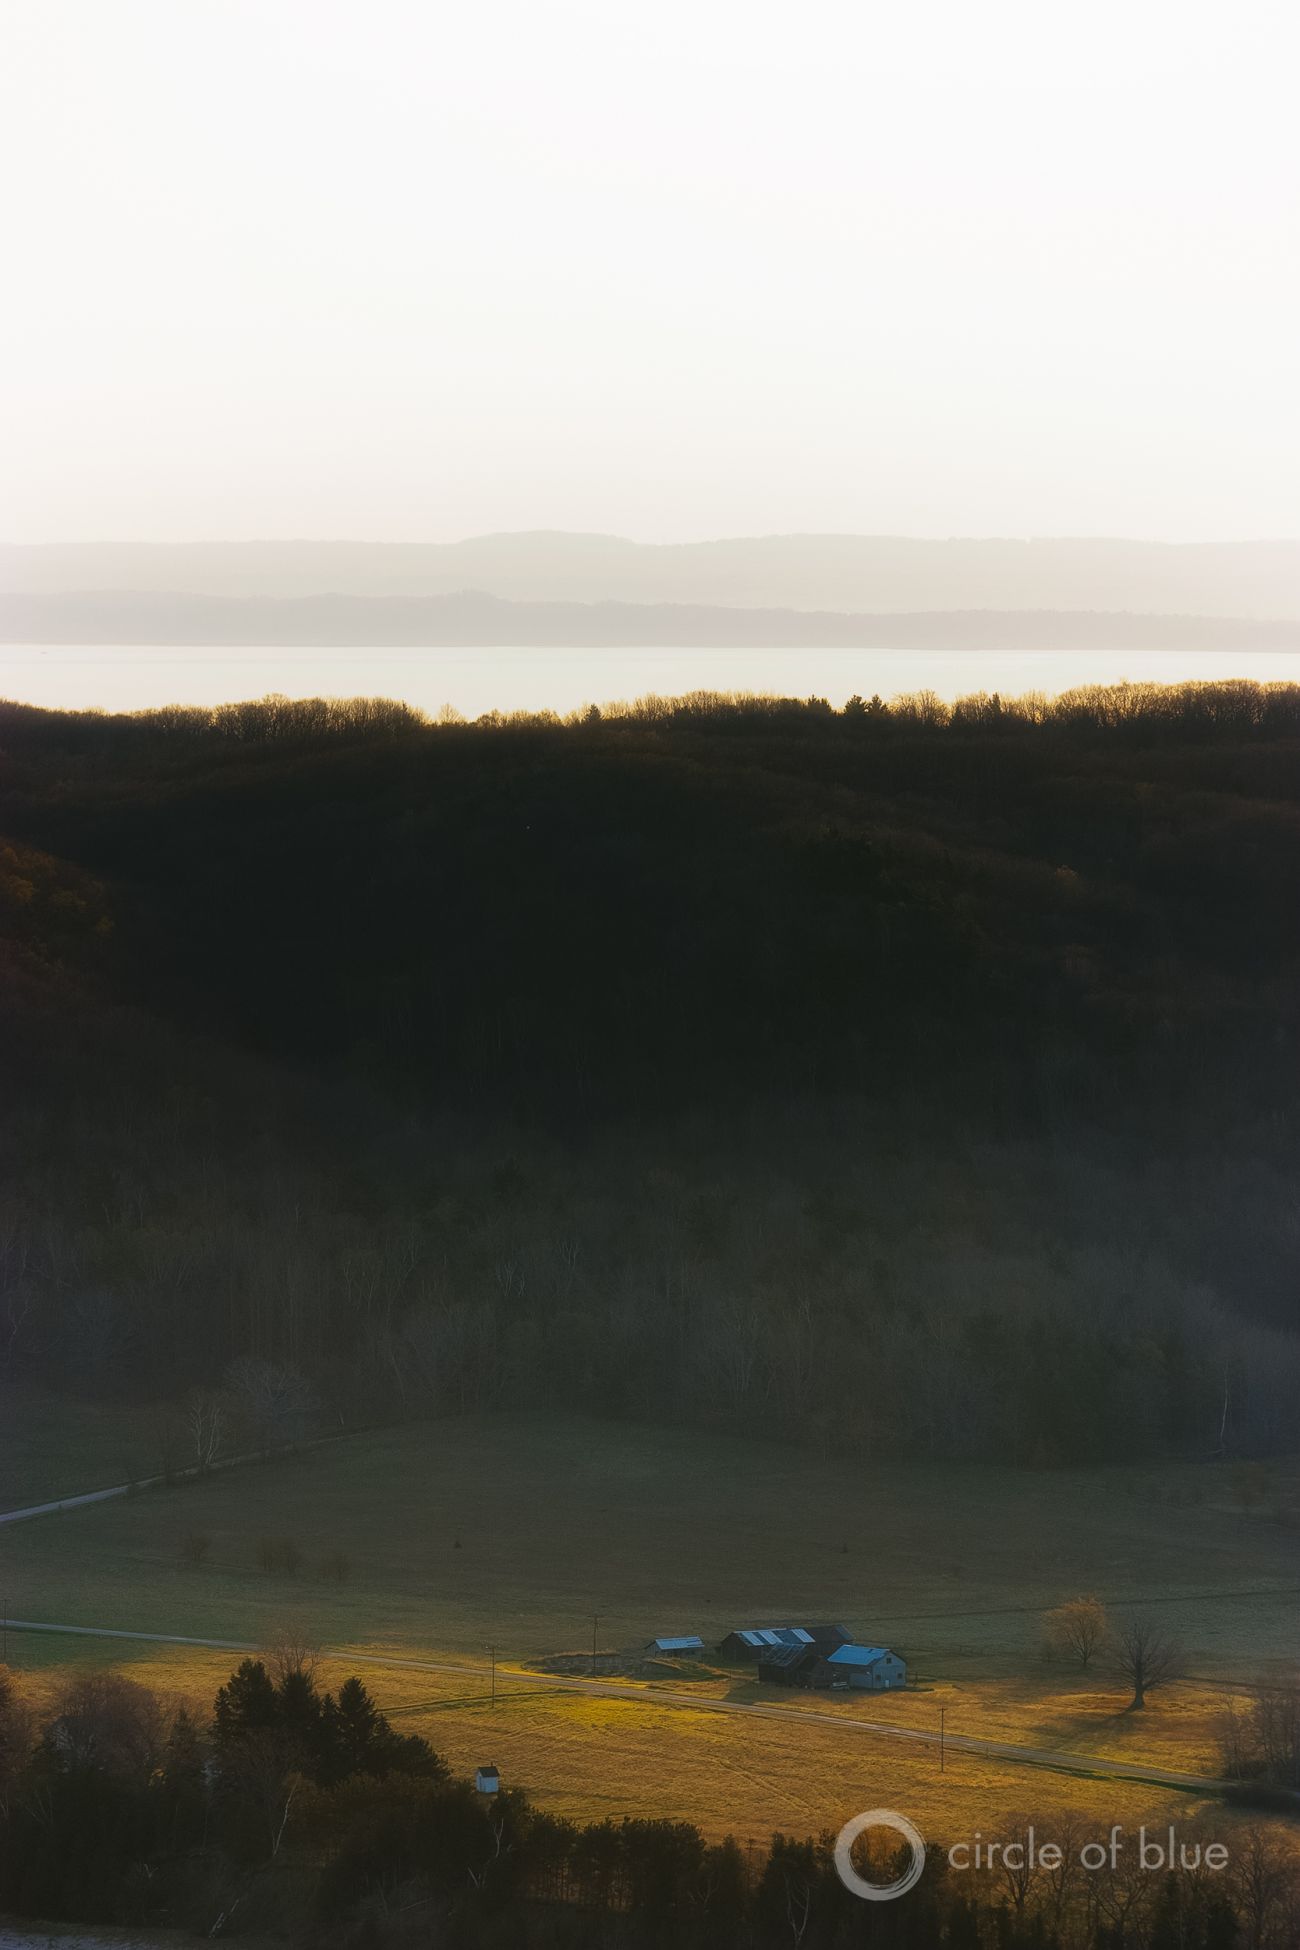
[292, 1653]
[1263, 1743]
[1265, 1890]
[1147, 1658]
[1077, 1628]
[106, 1722]
[274, 1400]
[206, 1418]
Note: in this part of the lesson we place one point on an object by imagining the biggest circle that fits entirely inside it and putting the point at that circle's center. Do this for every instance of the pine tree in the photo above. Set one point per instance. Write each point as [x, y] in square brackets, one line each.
[246, 1703]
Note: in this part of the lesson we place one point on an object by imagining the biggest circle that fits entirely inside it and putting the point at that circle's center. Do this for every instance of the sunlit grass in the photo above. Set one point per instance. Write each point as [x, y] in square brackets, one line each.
[514, 1530]
[589, 1758]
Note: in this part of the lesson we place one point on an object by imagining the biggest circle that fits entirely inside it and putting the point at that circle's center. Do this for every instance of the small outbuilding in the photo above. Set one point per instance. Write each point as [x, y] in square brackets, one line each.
[686, 1648]
[872, 1668]
[487, 1780]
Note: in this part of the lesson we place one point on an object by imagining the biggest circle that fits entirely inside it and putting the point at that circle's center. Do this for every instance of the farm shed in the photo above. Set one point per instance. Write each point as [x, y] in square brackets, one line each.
[687, 1648]
[787, 1665]
[827, 1637]
[751, 1641]
[487, 1779]
[872, 1667]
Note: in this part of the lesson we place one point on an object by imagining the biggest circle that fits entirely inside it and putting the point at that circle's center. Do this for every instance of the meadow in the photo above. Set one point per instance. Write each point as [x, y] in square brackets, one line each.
[518, 1528]
[526, 1533]
[50, 1447]
[590, 1758]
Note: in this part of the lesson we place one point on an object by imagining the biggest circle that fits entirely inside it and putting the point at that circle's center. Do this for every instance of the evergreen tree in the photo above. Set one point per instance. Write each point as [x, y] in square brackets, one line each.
[246, 1703]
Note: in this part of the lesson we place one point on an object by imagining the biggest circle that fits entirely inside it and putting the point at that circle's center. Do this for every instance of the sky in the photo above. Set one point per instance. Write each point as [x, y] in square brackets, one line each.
[673, 270]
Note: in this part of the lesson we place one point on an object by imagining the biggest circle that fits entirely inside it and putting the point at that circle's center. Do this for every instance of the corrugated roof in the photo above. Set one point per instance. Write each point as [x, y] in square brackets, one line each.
[678, 1645]
[783, 1655]
[761, 1635]
[857, 1655]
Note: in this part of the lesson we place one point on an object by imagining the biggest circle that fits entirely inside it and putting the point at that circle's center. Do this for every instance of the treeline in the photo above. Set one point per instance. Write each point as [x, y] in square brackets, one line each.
[299, 1814]
[902, 1079]
[1261, 1740]
[1225, 708]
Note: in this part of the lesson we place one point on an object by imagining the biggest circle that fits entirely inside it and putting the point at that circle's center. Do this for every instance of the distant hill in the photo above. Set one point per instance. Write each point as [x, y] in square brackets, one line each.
[474, 618]
[855, 573]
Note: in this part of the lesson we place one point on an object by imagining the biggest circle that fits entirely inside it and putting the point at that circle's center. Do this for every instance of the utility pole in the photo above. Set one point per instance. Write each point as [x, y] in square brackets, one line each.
[942, 1711]
[595, 1620]
[492, 1649]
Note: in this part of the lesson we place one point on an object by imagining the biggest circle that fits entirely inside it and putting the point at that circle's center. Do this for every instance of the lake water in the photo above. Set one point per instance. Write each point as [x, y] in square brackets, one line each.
[115, 678]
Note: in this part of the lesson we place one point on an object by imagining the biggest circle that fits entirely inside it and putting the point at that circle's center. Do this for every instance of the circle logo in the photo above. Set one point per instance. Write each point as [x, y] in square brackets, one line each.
[879, 1892]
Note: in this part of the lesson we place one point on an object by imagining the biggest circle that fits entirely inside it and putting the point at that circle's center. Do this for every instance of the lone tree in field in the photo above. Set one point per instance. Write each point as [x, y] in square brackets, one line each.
[1147, 1658]
[1077, 1628]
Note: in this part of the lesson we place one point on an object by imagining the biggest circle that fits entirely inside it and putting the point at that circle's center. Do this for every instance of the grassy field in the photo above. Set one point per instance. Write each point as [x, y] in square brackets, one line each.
[50, 1447]
[516, 1531]
[591, 1758]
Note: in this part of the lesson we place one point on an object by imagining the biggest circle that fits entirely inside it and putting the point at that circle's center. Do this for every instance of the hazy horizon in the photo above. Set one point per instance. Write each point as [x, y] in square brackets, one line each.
[674, 273]
[862, 574]
[290, 538]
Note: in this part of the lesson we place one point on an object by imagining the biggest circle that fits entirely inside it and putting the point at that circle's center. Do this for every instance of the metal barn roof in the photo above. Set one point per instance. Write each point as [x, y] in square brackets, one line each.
[678, 1645]
[857, 1655]
[765, 1635]
[783, 1655]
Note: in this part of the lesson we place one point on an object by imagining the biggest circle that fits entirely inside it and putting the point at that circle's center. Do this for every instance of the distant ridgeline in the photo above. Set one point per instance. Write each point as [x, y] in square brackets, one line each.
[476, 619]
[907, 1080]
[868, 574]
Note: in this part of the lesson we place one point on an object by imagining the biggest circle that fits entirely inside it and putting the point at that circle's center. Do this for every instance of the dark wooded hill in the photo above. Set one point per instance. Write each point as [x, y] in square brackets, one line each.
[905, 1080]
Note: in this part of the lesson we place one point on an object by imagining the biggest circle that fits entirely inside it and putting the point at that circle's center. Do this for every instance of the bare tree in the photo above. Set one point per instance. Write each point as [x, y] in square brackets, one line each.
[1147, 1658]
[1265, 1890]
[1077, 1628]
[293, 1652]
[206, 1417]
[108, 1723]
[275, 1402]
[1264, 1742]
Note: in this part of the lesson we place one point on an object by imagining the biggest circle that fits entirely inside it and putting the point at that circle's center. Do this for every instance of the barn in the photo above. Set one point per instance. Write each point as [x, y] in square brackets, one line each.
[873, 1668]
[828, 1637]
[752, 1641]
[788, 1665]
[685, 1648]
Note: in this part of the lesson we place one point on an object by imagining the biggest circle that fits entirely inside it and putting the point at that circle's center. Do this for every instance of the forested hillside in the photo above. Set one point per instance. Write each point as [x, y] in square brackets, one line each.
[905, 1081]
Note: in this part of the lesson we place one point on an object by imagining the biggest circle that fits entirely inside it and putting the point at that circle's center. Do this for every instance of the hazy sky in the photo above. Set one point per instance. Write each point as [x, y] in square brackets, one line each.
[674, 269]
